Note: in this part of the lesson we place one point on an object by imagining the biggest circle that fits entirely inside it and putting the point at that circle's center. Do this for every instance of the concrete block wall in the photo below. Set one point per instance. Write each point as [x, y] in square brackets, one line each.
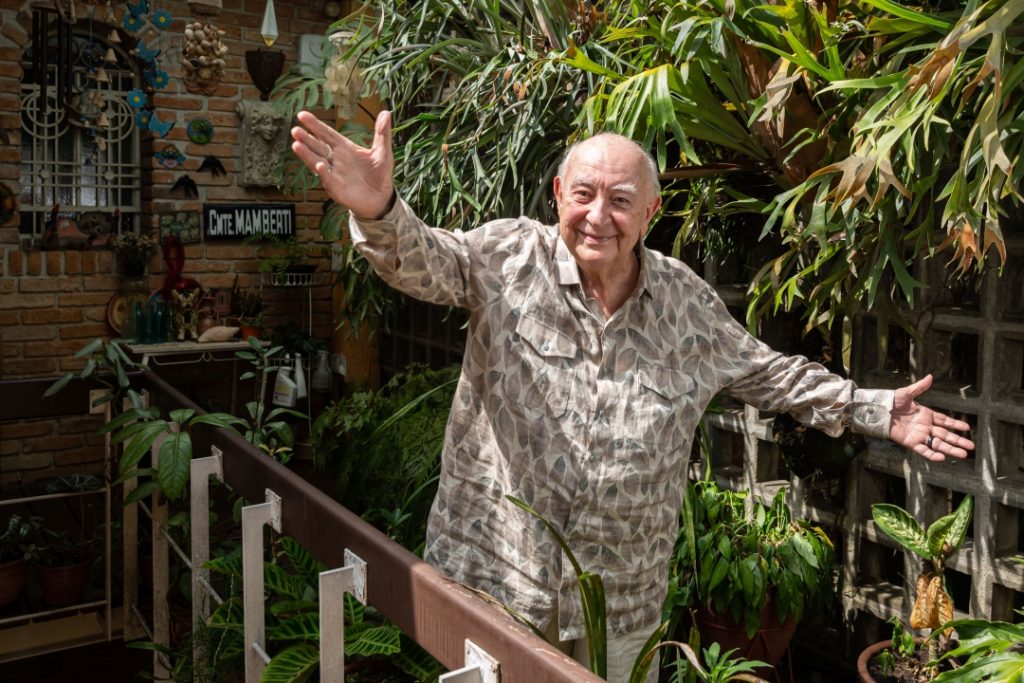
[52, 303]
[970, 336]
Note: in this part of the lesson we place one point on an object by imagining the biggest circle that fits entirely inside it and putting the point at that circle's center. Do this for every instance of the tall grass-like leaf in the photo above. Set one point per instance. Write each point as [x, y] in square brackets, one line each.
[592, 596]
[901, 527]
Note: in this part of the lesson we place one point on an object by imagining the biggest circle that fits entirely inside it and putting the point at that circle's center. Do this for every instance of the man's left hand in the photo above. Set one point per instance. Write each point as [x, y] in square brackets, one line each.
[923, 430]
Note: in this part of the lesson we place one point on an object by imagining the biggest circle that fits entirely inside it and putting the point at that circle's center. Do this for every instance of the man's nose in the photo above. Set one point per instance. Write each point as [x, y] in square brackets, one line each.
[598, 210]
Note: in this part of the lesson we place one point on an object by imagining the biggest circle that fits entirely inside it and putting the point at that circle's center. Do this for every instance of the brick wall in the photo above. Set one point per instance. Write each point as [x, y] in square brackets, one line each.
[52, 303]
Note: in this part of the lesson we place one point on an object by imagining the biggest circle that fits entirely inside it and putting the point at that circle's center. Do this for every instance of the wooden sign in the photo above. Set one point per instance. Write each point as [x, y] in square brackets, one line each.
[239, 221]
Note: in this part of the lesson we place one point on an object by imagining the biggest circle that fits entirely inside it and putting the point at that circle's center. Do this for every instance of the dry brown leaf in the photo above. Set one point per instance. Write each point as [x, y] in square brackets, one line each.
[936, 70]
[926, 606]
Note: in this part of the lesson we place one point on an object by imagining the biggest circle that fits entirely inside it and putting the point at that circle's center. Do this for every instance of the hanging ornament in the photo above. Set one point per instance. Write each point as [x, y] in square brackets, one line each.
[102, 121]
[110, 57]
[200, 131]
[101, 76]
[170, 157]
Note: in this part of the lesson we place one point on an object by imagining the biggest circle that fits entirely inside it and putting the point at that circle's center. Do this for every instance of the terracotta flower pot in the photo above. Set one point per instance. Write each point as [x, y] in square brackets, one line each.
[865, 658]
[768, 644]
[62, 586]
[12, 581]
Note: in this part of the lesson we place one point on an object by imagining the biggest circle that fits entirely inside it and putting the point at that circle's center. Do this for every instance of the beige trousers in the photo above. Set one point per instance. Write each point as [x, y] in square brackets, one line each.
[622, 653]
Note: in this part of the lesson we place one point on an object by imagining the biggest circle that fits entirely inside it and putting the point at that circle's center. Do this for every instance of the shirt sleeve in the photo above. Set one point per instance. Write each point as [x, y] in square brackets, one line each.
[426, 263]
[774, 382]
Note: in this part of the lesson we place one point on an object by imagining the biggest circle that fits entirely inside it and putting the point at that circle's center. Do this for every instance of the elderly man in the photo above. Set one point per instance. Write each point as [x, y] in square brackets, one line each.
[589, 362]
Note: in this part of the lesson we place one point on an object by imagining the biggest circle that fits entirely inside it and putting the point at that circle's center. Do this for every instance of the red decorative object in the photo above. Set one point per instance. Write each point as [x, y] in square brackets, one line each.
[174, 258]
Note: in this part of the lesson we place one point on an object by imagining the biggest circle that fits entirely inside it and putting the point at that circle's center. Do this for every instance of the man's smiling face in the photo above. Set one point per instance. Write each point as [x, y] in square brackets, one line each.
[605, 203]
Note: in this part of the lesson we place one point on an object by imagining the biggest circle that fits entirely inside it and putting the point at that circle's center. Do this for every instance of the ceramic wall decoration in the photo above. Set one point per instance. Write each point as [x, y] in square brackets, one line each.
[185, 225]
[200, 131]
[203, 57]
[147, 24]
[170, 157]
[264, 141]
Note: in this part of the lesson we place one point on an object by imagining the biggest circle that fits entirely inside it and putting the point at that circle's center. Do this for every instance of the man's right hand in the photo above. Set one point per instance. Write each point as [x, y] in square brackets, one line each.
[356, 178]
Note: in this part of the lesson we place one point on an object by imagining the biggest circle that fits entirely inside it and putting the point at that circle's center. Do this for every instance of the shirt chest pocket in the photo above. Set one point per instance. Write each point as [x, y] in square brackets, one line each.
[659, 395]
[541, 369]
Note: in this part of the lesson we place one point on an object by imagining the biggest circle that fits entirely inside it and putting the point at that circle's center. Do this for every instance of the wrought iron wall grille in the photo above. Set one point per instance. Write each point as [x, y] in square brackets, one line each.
[80, 157]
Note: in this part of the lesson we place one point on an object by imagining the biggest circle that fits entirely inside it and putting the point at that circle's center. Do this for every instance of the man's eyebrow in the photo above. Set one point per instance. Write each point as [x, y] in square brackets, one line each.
[630, 188]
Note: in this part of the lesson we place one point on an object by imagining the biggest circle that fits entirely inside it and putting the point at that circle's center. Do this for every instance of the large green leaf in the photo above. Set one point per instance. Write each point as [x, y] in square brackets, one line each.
[293, 665]
[373, 640]
[304, 626]
[897, 523]
[173, 469]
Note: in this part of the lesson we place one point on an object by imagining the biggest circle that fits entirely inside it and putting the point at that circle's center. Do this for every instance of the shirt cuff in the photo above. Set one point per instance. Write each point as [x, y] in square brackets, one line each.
[870, 412]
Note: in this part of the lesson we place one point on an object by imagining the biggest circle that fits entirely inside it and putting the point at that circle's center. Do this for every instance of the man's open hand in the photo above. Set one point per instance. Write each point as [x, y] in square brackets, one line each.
[923, 430]
[357, 178]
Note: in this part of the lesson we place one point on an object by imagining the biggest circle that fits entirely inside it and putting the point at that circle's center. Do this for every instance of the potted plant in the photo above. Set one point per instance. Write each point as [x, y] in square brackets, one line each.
[284, 256]
[933, 606]
[247, 305]
[750, 575]
[17, 547]
[134, 251]
[63, 565]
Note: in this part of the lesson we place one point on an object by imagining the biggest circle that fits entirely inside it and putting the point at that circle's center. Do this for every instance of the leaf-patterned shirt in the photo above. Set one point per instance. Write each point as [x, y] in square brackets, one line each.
[589, 420]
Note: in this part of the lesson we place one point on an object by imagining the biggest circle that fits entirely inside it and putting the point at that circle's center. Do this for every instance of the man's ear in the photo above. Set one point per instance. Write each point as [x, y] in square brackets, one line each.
[652, 209]
[556, 187]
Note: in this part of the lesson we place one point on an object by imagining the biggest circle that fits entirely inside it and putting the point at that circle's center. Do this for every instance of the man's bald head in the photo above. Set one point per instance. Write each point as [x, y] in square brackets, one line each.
[647, 167]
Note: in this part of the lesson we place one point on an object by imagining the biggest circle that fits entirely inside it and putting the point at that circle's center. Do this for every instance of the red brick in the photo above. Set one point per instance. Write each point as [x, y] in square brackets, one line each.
[53, 443]
[53, 263]
[82, 424]
[35, 263]
[31, 333]
[14, 463]
[21, 430]
[50, 347]
[15, 262]
[178, 102]
[9, 318]
[72, 263]
[94, 283]
[27, 301]
[78, 456]
[84, 330]
[85, 299]
[25, 368]
[88, 262]
[51, 315]
[50, 284]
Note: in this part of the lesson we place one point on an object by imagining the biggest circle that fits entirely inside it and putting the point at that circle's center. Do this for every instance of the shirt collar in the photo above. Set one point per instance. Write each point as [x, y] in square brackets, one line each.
[568, 271]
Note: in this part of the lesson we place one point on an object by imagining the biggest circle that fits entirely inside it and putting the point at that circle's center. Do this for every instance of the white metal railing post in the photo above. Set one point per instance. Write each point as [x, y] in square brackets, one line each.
[480, 667]
[334, 583]
[200, 471]
[161, 570]
[134, 626]
[254, 517]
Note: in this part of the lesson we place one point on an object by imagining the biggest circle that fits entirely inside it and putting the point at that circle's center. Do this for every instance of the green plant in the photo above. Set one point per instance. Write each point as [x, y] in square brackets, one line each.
[986, 651]
[721, 667]
[592, 596]
[62, 549]
[20, 537]
[139, 427]
[731, 560]
[264, 428]
[384, 448]
[247, 306]
[932, 605]
[281, 254]
[293, 629]
[134, 249]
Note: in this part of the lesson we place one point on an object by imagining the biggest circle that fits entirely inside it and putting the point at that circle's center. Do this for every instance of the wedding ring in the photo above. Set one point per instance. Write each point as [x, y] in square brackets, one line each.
[928, 442]
[329, 157]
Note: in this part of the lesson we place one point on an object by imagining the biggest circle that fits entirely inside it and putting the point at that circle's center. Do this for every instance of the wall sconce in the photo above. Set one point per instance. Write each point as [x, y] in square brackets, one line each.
[265, 65]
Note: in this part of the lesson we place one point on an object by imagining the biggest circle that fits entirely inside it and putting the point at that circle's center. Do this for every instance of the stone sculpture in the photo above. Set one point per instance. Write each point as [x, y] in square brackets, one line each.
[264, 142]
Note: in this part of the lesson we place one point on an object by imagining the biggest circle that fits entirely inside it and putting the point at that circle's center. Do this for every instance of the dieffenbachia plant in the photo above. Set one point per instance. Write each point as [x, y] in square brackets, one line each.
[933, 606]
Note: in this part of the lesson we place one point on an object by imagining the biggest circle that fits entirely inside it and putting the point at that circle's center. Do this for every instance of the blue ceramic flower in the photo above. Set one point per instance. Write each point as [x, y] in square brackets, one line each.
[157, 79]
[132, 23]
[161, 19]
[142, 119]
[137, 99]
